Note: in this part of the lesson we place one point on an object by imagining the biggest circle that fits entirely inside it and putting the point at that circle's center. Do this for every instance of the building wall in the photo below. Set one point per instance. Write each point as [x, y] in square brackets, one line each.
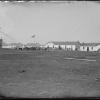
[85, 48]
[92, 48]
[56, 46]
[51, 45]
[8, 46]
[70, 47]
[65, 47]
[73, 47]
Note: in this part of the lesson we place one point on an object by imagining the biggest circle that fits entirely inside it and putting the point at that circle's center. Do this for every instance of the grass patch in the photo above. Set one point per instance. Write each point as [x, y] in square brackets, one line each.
[50, 68]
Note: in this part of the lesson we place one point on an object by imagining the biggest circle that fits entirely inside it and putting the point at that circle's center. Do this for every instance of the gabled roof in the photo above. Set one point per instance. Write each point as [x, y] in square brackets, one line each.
[89, 44]
[65, 42]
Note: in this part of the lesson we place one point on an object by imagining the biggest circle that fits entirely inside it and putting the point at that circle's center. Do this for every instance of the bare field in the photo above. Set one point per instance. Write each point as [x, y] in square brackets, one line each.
[49, 74]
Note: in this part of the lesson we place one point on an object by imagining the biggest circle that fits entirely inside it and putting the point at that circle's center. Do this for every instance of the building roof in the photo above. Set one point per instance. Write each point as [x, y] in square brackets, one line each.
[65, 42]
[33, 44]
[89, 44]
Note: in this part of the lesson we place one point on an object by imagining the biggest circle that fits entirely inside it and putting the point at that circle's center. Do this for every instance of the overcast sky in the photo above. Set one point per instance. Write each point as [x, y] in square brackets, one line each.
[51, 21]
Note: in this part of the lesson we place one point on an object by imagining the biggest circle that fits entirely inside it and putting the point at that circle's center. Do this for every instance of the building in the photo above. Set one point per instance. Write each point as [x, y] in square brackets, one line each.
[8, 45]
[64, 45]
[12, 45]
[89, 46]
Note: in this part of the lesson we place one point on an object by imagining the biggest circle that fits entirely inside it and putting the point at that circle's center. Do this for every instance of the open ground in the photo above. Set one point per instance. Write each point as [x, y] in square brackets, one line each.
[41, 73]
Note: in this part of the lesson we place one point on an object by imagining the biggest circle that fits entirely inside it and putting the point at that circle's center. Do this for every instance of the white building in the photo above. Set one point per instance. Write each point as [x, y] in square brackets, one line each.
[63, 45]
[89, 46]
[8, 46]
[12, 45]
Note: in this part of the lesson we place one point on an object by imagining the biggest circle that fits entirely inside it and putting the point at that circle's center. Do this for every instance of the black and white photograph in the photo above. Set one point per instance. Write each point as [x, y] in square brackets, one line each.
[49, 49]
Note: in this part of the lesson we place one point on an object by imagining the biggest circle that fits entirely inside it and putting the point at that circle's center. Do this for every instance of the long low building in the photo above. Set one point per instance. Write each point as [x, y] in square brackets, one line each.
[73, 46]
[89, 46]
[63, 45]
[12, 45]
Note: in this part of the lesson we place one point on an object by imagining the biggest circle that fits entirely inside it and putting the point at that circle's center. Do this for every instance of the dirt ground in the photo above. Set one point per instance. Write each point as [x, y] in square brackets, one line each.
[49, 74]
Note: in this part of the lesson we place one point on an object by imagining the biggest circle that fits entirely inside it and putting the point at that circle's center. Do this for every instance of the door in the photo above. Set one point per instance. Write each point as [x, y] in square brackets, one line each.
[87, 49]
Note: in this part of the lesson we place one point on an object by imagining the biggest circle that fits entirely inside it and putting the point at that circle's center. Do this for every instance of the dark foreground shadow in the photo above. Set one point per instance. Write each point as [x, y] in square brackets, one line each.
[4, 97]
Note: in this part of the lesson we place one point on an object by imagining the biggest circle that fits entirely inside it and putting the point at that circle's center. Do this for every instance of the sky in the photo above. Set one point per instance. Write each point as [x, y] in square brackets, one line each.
[50, 21]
